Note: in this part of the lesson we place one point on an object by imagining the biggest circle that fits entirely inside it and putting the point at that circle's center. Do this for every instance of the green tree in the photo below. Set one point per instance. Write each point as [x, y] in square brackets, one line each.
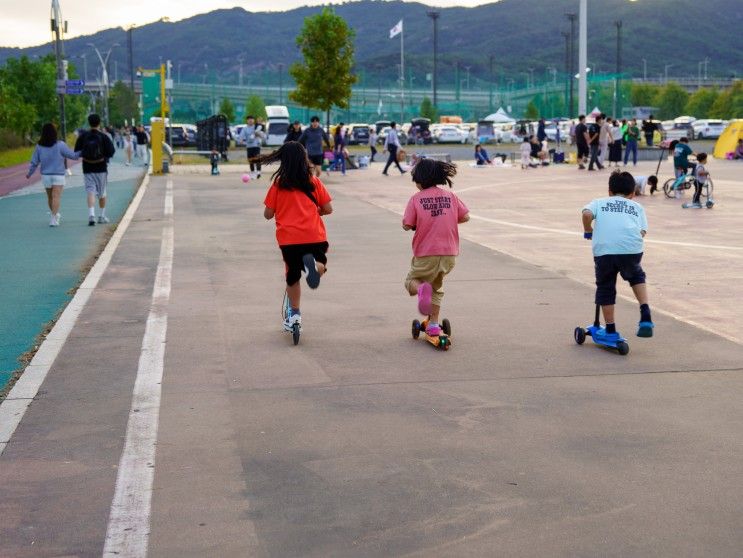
[255, 107]
[427, 110]
[325, 77]
[729, 103]
[643, 94]
[672, 101]
[15, 115]
[122, 104]
[228, 109]
[700, 103]
[531, 112]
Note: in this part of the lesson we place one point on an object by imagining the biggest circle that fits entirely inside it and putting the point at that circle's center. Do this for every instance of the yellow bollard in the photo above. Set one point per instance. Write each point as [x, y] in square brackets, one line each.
[157, 138]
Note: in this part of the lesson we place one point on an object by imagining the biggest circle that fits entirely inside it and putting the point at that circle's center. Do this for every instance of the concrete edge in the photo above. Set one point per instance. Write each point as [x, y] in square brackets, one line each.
[15, 404]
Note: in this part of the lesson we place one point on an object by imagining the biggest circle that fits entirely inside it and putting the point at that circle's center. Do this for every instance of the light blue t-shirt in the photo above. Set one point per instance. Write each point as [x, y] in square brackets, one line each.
[618, 225]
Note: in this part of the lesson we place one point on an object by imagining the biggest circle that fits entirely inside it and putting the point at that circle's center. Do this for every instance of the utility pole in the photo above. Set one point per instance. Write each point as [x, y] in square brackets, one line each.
[490, 99]
[434, 15]
[568, 76]
[617, 79]
[571, 62]
[131, 56]
[582, 56]
[58, 28]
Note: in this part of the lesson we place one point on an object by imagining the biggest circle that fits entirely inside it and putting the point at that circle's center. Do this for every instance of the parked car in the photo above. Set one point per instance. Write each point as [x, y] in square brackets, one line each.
[677, 130]
[180, 135]
[382, 136]
[450, 134]
[420, 131]
[381, 125]
[708, 129]
[358, 134]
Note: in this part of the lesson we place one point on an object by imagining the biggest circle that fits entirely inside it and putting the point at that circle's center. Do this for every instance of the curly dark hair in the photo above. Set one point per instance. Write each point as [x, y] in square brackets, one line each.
[430, 172]
[294, 167]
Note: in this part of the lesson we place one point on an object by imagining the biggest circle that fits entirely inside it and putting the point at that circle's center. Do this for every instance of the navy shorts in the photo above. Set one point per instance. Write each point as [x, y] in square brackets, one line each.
[607, 267]
[293, 254]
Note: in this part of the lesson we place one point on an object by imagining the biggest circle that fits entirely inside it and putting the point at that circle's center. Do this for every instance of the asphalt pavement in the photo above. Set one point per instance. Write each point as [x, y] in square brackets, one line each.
[179, 420]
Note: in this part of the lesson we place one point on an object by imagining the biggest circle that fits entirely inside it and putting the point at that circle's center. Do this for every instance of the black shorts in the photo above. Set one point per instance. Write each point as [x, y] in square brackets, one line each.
[293, 254]
[607, 267]
[254, 152]
[316, 160]
[582, 150]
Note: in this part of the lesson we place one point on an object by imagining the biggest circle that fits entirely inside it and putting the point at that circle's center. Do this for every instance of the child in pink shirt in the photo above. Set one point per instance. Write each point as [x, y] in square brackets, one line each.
[434, 214]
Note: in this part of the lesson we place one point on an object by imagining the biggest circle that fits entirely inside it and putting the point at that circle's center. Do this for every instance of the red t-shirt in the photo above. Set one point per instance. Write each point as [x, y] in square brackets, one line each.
[297, 217]
[435, 214]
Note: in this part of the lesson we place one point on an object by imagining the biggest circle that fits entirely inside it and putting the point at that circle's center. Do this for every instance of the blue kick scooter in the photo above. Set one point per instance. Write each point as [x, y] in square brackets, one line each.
[600, 337]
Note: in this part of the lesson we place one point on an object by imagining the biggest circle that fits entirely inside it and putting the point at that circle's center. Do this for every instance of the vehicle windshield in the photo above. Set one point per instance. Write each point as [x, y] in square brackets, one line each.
[278, 128]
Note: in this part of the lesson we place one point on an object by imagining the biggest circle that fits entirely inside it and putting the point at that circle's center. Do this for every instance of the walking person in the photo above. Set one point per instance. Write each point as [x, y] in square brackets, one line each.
[339, 142]
[648, 129]
[313, 138]
[615, 150]
[294, 132]
[49, 155]
[592, 139]
[142, 140]
[251, 135]
[632, 136]
[581, 141]
[372, 143]
[605, 139]
[96, 149]
[392, 144]
[128, 147]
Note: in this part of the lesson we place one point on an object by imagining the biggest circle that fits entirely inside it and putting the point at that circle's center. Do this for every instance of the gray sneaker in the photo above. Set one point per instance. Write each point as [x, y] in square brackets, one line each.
[102, 219]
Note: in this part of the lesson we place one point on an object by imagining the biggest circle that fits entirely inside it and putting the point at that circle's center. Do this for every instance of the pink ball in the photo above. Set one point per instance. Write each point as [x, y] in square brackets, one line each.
[246, 178]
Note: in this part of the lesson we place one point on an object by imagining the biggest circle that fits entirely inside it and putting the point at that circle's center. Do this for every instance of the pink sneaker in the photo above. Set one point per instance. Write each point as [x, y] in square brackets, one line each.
[433, 330]
[425, 292]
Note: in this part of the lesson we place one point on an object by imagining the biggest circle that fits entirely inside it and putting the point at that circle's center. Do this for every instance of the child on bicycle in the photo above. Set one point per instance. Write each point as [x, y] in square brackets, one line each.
[434, 214]
[616, 225]
[298, 200]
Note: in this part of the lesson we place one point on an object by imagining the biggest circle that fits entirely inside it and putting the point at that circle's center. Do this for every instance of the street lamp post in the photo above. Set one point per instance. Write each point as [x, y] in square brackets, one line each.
[571, 62]
[434, 15]
[281, 84]
[617, 79]
[582, 56]
[58, 28]
[104, 74]
[490, 97]
[85, 66]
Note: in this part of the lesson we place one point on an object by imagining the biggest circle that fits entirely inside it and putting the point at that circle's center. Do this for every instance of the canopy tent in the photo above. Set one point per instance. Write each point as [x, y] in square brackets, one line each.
[595, 112]
[499, 117]
[728, 140]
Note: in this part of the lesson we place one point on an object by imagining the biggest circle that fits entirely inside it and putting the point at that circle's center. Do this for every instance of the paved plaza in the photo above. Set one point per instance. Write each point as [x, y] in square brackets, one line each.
[168, 415]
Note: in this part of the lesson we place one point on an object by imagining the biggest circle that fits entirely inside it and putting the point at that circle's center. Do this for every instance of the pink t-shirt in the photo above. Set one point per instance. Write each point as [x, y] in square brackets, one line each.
[435, 214]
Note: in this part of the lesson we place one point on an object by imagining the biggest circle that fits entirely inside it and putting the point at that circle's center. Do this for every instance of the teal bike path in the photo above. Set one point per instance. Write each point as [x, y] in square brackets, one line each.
[39, 265]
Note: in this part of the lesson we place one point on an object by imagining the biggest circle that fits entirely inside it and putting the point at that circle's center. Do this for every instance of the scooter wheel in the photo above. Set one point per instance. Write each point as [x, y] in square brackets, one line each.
[446, 326]
[295, 334]
[416, 330]
[622, 348]
[579, 335]
[710, 204]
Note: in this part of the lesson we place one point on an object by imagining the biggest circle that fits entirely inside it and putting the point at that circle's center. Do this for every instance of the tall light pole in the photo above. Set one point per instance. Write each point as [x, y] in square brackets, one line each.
[240, 78]
[104, 73]
[434, 15]
[490, 97]
[571, 64]
[617, 80]
[58, 28]
[569, 82]
[85, 66]
[582, 56]
[281, 84]
[130, 52]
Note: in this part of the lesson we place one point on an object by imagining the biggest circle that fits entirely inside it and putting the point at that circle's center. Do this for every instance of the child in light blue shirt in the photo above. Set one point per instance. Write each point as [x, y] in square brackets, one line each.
[616, 225]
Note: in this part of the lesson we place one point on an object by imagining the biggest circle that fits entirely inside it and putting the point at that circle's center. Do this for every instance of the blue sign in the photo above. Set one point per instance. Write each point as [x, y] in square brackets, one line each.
[74, 91]
[75, 83]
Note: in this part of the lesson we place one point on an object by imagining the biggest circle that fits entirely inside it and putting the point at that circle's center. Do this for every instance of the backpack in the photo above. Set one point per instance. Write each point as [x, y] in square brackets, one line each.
[92, 150]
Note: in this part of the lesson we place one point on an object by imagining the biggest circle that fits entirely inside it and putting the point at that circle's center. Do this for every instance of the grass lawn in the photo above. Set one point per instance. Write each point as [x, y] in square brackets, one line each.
[11, 157]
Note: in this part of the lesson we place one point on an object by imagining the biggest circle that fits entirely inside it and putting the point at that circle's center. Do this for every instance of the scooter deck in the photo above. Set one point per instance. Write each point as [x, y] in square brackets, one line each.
[442, 341]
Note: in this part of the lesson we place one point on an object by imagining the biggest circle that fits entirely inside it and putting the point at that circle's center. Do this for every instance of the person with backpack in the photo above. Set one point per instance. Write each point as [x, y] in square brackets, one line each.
[96, 149]
[142, 140]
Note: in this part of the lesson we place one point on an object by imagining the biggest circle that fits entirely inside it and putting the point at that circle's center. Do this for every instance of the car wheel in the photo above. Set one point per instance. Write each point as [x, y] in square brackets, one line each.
[700, 135]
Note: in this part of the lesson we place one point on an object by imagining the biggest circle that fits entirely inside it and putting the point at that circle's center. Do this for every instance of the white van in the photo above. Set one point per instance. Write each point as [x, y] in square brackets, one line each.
[278, 124]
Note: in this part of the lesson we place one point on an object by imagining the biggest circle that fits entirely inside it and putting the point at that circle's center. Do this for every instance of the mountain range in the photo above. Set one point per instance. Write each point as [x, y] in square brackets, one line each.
[524, 37]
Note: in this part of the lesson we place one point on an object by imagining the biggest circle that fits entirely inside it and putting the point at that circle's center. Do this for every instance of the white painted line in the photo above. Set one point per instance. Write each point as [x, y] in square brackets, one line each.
[27, 387]
[575, 233]
[127, 534]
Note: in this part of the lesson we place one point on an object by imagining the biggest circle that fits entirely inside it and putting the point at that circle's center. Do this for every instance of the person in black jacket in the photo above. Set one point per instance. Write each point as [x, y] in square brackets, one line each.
[648, 130]
[294, 132]
[96, 148]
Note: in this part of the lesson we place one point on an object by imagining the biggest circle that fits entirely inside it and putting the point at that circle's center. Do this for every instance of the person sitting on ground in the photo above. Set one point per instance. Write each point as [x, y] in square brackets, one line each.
[738, 153]
[481, 156]
[641, 183]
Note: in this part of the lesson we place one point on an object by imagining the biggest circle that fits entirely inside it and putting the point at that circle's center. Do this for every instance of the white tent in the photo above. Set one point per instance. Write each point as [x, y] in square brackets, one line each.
[499, 117]
[595, 112]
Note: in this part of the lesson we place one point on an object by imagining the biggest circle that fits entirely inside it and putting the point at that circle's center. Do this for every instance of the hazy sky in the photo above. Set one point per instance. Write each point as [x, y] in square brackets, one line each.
[27, 24]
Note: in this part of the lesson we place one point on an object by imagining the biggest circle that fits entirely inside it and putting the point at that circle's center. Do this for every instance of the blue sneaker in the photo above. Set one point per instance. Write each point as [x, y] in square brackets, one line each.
[600, 336]
[313, 276]
[645, 329]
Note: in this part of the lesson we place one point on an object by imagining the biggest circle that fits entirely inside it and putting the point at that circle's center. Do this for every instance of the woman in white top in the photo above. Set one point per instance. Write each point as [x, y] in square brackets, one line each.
[615, 149]
[128, 147]
[372, 143]
[49, 156]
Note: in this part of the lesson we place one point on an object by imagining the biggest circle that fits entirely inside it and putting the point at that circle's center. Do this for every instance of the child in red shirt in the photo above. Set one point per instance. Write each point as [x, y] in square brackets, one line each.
[297, 200]
[434, 214]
